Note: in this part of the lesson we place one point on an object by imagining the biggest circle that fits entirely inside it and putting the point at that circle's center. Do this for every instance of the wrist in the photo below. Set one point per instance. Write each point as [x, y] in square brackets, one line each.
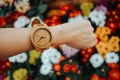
[59, 34]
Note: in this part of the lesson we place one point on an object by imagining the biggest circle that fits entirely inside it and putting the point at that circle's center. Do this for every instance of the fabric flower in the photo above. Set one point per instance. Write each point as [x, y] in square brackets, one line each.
[45, 69]
[98, 17]
[20, 74]
[20, 58]
[21, 22]
[96, 60]
[112, 57]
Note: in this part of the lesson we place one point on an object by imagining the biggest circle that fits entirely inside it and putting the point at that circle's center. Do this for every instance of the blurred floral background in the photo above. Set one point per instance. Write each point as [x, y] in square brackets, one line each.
[61, 62]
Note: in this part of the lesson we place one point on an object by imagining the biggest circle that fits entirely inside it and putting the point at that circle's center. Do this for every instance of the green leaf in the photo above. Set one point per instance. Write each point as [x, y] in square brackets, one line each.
[1, 13]
[32, 12]
[42, 8]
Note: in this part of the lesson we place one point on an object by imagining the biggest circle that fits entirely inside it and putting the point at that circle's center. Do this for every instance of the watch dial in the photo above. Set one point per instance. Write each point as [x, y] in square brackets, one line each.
[42, 37]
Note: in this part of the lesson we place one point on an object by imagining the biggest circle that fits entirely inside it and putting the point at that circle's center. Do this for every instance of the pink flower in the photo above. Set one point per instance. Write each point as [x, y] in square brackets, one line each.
[69, 51]
[101, 8]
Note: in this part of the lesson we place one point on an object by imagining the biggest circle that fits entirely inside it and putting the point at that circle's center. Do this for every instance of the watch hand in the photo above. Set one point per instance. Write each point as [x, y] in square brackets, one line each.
[41, 38]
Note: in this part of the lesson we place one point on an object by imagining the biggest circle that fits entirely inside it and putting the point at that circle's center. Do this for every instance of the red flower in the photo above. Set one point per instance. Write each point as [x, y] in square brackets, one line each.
[52, 21]
[3, 22]
[13, 16]
[86, 54]
[4, 66]
[67, 68]
[47, 20]
[55, 17]
[64, 9]
[112, 25]
[113, 65]
[102, 78]
[114, 74]
[118, 5]
[56, 67]
[74, 13]
[118, 26]
[95, 77]
[74, 68]
[63, 12]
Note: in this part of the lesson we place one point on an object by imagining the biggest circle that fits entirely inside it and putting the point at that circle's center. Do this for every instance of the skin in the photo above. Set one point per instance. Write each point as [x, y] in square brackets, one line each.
[78, 34]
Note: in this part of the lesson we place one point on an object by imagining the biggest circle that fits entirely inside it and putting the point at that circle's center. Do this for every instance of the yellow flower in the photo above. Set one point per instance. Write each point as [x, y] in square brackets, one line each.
[33, 56]
[7, 78]
[20, 74]
[53, 12]
[86, 7]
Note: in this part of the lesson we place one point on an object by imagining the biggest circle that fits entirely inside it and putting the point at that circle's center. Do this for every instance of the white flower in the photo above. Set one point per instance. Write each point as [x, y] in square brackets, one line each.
[77, 18]
[20, 58]
[112, 57]
[55, 57]
[45, 69]
[98, 17]
[21, 22]
[22, 5]
[96, 60]
[12, 59]
[50, 55]
[45, 57]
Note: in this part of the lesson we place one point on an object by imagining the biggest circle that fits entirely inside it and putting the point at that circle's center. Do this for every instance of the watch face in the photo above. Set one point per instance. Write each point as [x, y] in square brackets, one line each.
[42, 37]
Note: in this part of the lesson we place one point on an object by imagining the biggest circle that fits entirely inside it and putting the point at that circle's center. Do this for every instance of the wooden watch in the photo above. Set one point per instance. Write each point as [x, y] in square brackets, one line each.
[41, 36]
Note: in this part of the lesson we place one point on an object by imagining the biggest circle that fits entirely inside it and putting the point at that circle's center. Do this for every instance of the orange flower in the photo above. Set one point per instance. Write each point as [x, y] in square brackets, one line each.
[74, 68]
[67, 78]
[67, 68]
[62, 58]
[114, 74]
[64, 9]
[3, 22]
[95, 77]
[113, 65]
[75, 13]
[56, 67]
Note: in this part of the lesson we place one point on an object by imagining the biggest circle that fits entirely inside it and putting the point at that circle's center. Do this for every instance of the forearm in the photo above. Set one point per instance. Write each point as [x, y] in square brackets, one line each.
[17, 40]
[14, 41]
[75, 34]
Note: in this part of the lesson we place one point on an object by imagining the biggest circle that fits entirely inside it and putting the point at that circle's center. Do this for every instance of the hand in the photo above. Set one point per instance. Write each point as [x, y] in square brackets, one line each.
[77, 34]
